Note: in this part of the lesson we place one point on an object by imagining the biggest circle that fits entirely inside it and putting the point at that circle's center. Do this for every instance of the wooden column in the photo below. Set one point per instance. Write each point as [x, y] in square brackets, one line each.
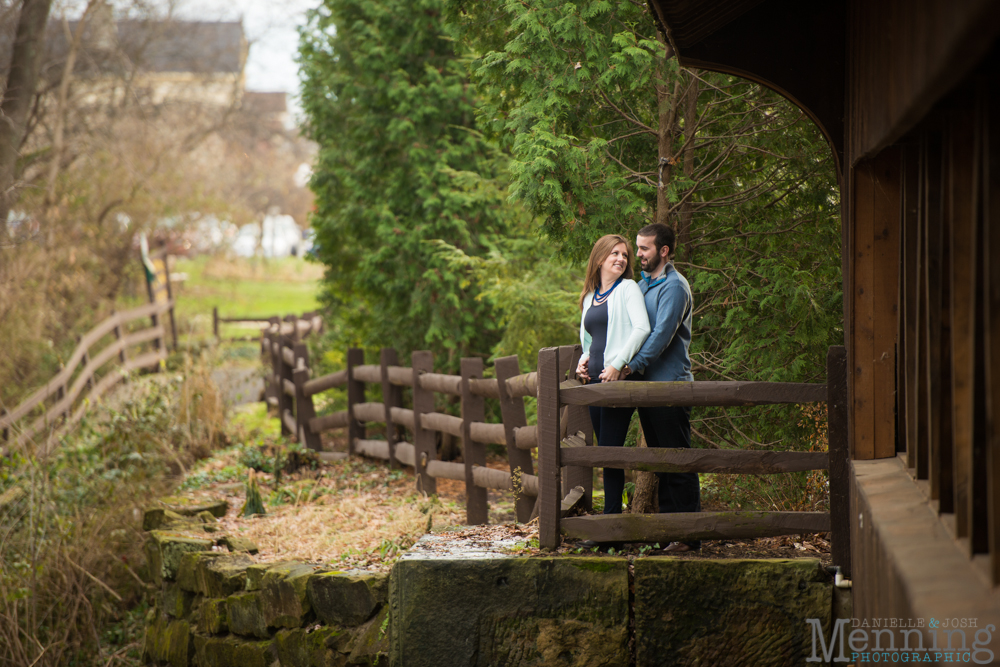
[305, 409]
[933, 219]
[840, 455]
[215, 322]
[990, 119]
[473, 453]
[549, 474]
[155, 317]
[873, 302]
[424, 441]
[355, 395]
[170, 297]
[512, 413]
[908, 332]
[577, 419]
[392, 396]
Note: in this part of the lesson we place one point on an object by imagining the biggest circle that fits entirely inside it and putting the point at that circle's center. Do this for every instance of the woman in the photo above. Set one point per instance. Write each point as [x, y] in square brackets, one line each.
[612, 329]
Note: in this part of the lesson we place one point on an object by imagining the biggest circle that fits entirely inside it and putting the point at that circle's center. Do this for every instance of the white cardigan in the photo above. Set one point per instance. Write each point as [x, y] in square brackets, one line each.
[628, 326]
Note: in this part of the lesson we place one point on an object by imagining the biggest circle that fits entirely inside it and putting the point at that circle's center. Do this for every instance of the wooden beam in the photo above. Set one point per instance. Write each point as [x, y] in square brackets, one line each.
[549, 473]
[726, 461]
[325, 382]
[861, 338]
[991, 320]
[445, 384]
[650, 394]
[368, 373]
[885, 273]
[689, 526]
[923, 391]
[514, 418]
[355, 395]
[473, 453]
[576, 419]
[327, 422]
[840, 458]
[424, 441]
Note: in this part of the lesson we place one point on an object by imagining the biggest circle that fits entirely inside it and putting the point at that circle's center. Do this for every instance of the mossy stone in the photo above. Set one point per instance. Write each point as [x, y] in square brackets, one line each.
[169, 642]
[213, 617]
[222, 576]
[284, 599]
[188, 577]
[732, 612]
[245, 615]
[175, 601]
[236, 544]
[192, 507]
[255, 575]
[347, 599]
[372, 644]
[164, 551]
[509, 611]
[159, 516]
[320, 647]
[232, 652]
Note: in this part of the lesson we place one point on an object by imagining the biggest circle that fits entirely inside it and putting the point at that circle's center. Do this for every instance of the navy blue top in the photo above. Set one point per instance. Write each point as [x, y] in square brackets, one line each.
[664, 356]
[596, 324]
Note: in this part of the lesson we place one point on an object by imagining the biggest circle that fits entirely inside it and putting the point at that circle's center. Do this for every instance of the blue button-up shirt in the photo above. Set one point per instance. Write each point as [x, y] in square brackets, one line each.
[664, 356]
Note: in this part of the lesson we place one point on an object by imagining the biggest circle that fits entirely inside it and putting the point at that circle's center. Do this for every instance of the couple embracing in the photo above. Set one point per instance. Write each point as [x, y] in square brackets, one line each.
[639, 331]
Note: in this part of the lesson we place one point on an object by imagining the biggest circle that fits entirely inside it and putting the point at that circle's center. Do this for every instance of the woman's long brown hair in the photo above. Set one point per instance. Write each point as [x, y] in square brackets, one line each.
[601, 250]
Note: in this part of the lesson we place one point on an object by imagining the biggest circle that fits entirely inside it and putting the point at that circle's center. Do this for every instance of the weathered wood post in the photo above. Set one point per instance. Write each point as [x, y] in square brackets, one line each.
[577, 419]
[305, 410]
[424, 442]
[284, 374]
[215, 323]
[840, 464]
[170, 297]
[392, 397]
[473, 453]
[355, 395]
[512, 412]
[155, 316]
[549, 474]
[119, 334]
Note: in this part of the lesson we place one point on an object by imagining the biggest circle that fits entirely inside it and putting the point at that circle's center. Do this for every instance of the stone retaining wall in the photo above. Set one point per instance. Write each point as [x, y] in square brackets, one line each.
[220, 609]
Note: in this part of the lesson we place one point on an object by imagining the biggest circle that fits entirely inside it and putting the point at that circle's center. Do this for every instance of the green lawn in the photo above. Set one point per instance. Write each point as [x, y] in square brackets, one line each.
[241, 288]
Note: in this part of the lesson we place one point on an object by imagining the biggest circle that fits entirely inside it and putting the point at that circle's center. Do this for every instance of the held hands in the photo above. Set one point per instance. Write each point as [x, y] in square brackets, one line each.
[582, 372]
[611, 374]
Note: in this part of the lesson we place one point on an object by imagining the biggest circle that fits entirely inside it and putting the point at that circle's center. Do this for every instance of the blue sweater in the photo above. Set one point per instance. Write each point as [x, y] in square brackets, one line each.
[664, 356]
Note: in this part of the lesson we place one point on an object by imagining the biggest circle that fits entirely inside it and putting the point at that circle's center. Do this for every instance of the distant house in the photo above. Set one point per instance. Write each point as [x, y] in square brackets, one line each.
[160, 61]
[270, 108]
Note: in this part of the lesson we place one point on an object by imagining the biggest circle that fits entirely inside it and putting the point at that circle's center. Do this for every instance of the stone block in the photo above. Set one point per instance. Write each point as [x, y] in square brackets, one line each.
[284, 599]
[347, 599]
[255, 575]
[728, 612]
[175, 601]
[371, 647]
[319, 647]
[159, 516]
[193, 507]
[245, 615]
[188, 577]
[509, 611]
[232, 652]
[164, 551]
[223, 576]
[214, 617]
[168, 642]
[239, 544]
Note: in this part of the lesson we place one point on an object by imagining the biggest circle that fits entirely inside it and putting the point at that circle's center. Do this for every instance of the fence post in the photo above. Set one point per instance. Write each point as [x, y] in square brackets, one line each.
[215, 323]
[284, 373]
[355, 395]
[170, 297]
[512, 413]
[392, 396]
[305, 410]
[473, 453]
[840, 464]
[577, 419]
[155, 317]
[549, 475]
[424, 442]
[122, 357]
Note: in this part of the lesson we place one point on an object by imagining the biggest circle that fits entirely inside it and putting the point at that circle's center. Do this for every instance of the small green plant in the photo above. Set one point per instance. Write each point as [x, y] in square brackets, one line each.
[254, 503]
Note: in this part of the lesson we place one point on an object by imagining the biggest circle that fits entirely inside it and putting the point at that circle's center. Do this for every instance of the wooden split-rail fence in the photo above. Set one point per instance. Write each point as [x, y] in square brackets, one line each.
[103, 357]
[563, 438]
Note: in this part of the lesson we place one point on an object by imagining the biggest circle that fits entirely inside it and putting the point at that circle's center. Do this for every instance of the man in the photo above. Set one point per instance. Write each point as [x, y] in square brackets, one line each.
[664, 358]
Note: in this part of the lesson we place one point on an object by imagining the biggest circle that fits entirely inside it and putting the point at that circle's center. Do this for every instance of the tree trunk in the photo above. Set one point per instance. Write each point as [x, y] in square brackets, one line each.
[646, 486]
[690, 127]
[22, 77]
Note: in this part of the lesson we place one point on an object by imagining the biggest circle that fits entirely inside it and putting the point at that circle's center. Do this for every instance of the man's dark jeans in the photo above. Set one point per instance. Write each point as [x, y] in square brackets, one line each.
[670, 426]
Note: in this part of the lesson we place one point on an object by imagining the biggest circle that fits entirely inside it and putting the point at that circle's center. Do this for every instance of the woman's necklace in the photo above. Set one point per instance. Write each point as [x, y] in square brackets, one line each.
[600, 298]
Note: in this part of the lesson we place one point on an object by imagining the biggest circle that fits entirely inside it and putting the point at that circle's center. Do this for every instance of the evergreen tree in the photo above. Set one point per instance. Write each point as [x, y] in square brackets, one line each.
[401, 165]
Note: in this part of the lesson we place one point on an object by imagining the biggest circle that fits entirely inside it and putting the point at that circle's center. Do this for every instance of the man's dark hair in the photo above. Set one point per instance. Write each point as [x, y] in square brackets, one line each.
[662, 236]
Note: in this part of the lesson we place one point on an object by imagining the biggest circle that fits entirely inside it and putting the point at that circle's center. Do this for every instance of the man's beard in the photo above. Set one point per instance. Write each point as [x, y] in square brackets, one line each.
[651, 269]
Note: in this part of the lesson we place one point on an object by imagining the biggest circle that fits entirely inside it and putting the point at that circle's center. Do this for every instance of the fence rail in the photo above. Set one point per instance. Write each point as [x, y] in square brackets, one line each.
[563, 438]
[75, 384]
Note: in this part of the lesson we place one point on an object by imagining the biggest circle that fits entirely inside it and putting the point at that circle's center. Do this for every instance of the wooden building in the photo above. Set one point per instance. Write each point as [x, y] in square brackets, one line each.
[907, 93]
